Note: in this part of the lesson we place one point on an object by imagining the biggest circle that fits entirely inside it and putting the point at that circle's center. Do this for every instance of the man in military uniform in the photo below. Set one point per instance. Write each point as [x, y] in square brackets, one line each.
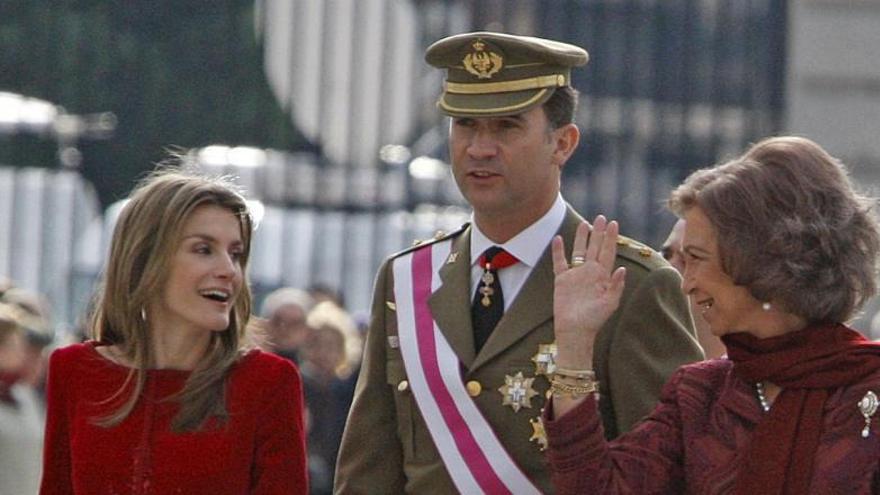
[460, 347]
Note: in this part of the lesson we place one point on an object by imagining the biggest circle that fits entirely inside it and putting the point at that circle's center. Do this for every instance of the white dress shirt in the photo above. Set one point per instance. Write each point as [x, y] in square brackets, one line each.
[527, 247]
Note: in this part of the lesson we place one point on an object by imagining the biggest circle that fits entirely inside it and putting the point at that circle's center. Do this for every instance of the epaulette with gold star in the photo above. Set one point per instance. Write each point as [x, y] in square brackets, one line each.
[440, 235]
[642, 254]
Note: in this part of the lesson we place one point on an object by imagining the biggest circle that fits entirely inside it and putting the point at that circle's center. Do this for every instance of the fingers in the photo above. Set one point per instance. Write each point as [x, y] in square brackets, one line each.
[579, 248]
[558, 250]
[608, 250]
[618, 279]
[591, 243]
[597, 236]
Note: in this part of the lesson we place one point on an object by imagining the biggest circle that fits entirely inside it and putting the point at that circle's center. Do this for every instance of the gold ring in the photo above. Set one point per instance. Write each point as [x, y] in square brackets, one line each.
[577, 261]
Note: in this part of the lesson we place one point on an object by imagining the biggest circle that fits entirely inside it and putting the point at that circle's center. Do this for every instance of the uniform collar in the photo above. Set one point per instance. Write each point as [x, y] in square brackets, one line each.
[530, 243]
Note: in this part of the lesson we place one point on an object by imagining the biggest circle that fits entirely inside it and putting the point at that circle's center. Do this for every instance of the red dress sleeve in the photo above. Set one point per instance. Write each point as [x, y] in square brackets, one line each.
[646, 460]
[56, 444]
[280, 464]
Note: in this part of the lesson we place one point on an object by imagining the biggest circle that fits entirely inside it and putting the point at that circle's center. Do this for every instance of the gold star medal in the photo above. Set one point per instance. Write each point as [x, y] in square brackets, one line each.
[545, 359]
[517, 391]
[538, 433]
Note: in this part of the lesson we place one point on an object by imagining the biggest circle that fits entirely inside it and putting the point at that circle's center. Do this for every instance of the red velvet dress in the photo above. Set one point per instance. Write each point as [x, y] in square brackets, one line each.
[695, 440]
[260, 450]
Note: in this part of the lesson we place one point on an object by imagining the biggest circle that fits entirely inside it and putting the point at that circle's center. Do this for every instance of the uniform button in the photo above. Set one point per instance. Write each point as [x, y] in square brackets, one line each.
[402, 386]
[474, 388]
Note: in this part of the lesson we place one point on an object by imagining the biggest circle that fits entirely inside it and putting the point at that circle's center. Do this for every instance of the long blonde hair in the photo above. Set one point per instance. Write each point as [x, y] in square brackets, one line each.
[146, 236]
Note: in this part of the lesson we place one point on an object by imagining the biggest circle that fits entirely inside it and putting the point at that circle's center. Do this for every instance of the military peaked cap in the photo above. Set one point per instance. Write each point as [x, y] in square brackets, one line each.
[494, 74]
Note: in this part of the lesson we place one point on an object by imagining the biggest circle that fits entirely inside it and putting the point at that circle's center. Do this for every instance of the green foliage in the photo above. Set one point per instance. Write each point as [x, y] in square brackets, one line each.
[176, 73]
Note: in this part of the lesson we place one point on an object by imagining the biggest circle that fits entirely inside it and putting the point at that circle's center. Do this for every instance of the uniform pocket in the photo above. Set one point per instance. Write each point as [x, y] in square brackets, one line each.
[403, 404]
[418, 446]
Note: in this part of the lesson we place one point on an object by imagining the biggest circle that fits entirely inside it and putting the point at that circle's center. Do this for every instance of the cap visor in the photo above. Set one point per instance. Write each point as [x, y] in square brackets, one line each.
[494, 104]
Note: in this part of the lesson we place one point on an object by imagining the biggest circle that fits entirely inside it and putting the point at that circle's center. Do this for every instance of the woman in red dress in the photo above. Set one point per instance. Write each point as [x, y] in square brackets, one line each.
[171, 396]
[779, 253]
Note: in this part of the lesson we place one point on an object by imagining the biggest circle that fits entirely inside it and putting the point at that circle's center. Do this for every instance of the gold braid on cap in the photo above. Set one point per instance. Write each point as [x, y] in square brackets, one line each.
[551, 81]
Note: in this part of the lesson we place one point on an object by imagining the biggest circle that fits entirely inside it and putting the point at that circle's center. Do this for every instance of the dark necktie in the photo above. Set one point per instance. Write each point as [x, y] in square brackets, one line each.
[488, 305]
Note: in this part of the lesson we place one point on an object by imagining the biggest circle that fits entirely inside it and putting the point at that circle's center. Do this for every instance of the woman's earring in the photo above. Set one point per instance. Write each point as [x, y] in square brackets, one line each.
[143, 314]
[766, 306]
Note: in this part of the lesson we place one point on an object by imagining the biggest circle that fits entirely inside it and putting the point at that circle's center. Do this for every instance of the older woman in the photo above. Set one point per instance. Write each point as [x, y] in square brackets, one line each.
[780, 252]
[171, 396]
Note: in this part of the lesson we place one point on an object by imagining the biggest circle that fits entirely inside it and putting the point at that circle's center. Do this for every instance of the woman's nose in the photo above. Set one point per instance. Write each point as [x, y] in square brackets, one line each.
[226, 266]
[687, 281]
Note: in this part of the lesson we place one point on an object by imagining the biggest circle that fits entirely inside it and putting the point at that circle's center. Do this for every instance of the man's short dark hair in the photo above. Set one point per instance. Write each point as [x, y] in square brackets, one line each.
[561, 106]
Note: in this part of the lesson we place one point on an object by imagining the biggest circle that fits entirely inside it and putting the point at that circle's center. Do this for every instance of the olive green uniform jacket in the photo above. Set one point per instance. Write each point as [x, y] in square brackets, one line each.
[386, 447]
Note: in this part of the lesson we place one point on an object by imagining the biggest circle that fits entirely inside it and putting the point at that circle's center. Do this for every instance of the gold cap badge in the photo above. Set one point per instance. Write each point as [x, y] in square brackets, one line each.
[481, 63]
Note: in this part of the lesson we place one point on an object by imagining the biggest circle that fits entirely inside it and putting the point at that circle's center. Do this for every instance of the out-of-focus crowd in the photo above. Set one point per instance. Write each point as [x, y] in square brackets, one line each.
[313, 329]
[25, 334]
[310, 327]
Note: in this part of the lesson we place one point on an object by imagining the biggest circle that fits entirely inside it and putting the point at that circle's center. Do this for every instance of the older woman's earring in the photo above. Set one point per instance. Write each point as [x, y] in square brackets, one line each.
[765, 306]
[143, 314]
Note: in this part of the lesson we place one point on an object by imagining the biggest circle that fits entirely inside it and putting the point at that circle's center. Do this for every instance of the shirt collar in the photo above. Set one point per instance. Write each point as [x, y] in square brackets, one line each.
[528, 245]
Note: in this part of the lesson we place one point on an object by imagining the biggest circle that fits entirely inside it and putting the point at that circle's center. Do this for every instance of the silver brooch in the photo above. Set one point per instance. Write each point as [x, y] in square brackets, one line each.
[868, 406]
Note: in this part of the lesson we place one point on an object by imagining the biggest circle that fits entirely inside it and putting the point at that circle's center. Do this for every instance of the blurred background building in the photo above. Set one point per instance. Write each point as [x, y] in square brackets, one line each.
[325, 110]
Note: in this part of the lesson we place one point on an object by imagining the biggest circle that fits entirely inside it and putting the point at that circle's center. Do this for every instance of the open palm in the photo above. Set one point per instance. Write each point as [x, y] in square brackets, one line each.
[587, 292]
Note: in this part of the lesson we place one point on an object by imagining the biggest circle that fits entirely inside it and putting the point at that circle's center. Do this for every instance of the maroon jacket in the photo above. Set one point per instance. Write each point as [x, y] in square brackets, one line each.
[260, 450]
[695, 439]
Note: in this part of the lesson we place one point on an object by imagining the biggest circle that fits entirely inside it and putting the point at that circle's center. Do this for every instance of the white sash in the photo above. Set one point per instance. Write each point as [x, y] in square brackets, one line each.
[473, 455]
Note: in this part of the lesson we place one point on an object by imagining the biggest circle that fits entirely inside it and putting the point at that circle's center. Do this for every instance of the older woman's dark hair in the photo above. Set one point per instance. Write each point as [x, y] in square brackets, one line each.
[790, 227]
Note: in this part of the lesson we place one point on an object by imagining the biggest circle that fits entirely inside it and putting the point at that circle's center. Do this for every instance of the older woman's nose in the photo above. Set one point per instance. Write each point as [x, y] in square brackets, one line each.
[687, 281]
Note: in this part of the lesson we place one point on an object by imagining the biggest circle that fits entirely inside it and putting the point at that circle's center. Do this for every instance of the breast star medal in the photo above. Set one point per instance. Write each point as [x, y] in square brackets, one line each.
[517, 391]
[868, 406]
[539, 435]
[545, 359]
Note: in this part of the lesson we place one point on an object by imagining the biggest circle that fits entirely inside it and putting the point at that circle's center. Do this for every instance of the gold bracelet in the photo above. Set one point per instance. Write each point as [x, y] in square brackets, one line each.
[574, 391]
[578, 382]
[578, 374]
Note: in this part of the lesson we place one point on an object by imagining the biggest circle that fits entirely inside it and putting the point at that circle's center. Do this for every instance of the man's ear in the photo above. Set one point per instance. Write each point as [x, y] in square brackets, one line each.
[565, 139]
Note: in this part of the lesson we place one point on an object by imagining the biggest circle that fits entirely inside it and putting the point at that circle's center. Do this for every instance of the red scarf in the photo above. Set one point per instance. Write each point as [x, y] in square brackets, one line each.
[807, 364]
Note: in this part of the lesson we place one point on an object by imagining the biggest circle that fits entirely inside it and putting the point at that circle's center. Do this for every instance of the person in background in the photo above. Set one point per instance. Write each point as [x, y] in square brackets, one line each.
[35, 318]
[460, 346]
[671, 251]
[284, 311]
[171, 395]
[324, 292]
[21, 410]
[780, 252]
[328, 380]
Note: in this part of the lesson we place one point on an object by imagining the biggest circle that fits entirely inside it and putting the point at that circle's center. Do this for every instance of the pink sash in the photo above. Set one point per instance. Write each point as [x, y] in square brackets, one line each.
[473, 455]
